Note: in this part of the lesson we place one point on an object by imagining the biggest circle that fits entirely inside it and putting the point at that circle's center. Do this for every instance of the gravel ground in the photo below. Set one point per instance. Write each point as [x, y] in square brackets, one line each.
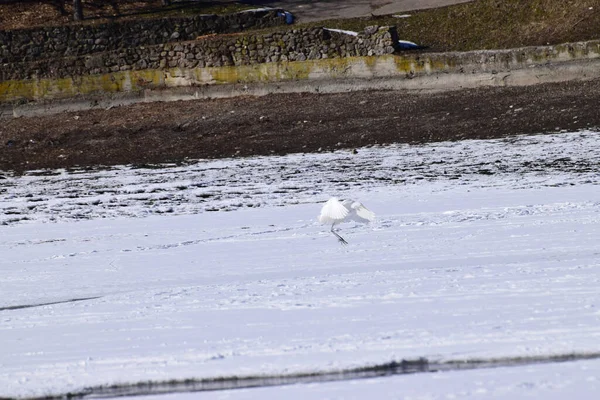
[291, 123]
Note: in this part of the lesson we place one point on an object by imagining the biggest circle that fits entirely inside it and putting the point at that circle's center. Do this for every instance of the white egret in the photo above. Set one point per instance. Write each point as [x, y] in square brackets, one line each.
[335, 212]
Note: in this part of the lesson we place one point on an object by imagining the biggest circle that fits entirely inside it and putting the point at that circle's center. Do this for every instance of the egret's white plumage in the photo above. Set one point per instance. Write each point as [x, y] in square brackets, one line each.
[335, 212]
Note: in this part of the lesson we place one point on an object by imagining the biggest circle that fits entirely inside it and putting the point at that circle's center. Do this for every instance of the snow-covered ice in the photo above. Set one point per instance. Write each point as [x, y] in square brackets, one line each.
[219, 268]
[227, 185]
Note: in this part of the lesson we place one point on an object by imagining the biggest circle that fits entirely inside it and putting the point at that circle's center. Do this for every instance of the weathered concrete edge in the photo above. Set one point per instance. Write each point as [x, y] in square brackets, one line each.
[416, 72]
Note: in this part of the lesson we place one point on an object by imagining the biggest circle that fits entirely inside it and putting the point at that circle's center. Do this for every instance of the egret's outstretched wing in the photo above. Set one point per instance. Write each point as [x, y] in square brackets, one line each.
[333, 211]
[358, 212]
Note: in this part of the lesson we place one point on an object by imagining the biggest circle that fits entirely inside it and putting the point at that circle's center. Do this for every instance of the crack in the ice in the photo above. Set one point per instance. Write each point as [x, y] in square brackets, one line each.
[22, 306]
[404, 367]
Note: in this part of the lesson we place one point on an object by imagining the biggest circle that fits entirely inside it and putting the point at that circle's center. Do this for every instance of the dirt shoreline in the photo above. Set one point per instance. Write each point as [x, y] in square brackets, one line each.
[291, 123]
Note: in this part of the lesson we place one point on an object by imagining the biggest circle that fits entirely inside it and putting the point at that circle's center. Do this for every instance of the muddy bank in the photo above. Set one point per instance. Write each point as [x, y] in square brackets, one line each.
[290, 123]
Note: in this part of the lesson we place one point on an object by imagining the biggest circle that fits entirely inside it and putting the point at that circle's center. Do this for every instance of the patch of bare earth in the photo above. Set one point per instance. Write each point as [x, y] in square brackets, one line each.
[291, 123]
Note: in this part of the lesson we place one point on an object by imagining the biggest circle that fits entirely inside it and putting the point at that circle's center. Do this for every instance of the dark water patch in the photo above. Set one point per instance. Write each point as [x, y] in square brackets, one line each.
[44, 172]
[76, 170]
[152, 166]
[20, 307]
[561, 164]
[404, 367]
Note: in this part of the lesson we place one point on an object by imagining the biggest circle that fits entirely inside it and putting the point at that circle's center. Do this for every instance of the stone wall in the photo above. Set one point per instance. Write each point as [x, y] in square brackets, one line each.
[74, 40]
[410, 71]
[216, 51]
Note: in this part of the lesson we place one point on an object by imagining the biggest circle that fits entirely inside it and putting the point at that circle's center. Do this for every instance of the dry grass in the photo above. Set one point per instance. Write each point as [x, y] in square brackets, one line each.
[490, 24]
[15, 14]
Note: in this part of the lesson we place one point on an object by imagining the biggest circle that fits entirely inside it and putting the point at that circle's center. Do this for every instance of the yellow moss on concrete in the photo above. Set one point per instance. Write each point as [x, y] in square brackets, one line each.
[131, 81]
[272, 72]
[331, 68]
[36, 89]
[405, 65]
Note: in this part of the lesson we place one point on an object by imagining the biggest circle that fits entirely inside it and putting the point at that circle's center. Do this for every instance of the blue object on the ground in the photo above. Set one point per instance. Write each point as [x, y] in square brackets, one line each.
[406, 45]
[289, 17]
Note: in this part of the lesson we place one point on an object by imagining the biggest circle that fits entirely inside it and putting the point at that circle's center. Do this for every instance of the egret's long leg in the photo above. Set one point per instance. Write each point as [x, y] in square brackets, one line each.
[341, 239]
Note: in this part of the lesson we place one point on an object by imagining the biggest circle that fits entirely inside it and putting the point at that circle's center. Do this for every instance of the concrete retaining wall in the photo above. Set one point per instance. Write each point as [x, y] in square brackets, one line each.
[418, 71]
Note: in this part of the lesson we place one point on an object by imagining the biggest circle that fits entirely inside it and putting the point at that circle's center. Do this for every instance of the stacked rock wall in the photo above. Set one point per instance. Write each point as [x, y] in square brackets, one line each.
[35, 44]
[215, 51]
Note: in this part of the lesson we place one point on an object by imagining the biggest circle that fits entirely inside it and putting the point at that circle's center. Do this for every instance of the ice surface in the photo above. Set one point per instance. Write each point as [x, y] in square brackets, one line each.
[227, 185]
[480, 249]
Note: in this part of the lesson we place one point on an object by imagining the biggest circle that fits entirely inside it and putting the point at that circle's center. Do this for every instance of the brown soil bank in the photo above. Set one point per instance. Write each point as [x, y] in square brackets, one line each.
[288, 123]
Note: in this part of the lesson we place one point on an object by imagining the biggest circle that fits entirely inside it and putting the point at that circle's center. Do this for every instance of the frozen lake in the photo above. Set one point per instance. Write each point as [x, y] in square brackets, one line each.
[480, 250]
